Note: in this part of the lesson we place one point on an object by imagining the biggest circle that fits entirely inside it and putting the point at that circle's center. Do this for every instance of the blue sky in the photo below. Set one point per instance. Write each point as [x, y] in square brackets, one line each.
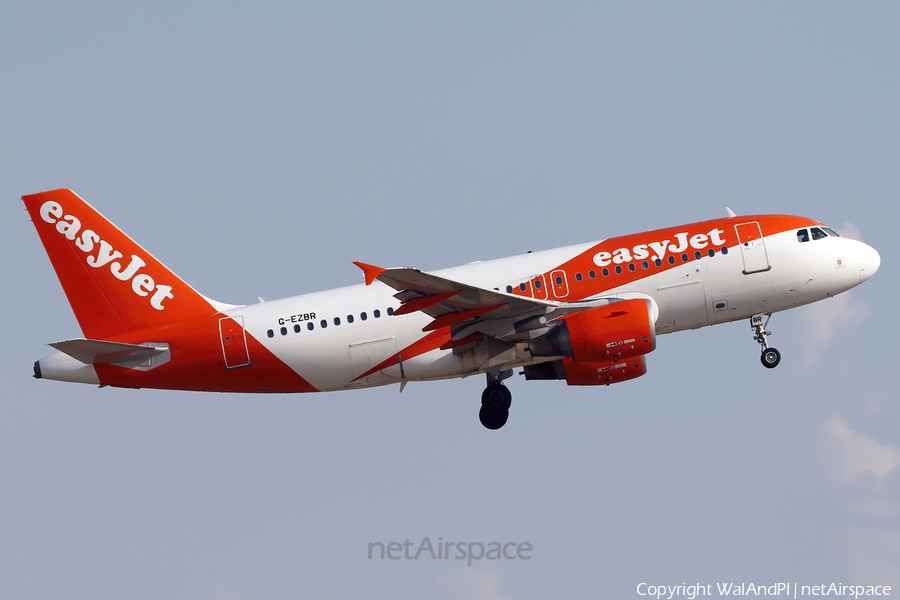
[258, 151]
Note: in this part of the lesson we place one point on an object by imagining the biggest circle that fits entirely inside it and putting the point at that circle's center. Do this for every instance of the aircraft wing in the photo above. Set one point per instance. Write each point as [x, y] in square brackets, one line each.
[471, 312]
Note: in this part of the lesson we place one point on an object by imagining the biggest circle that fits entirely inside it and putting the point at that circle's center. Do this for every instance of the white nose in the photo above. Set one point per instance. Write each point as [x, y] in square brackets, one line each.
[869, 261]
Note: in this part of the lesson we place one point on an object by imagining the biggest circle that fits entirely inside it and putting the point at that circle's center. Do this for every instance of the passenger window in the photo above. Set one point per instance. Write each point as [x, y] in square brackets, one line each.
[523, 287]
[711, 252]
[270, 333]
[390, 311]
[592, 274]
[684, 258]
[363, 316]
[310, 326]
[509, 289]
[697, 255]
[578, 277]
[605, 272]
[671, 260]
[559, 281]
[645, 265]
[724, 249]
[337, 320]
[323, 323]
[296, 329]
[631, 267]
[349, 318]
[657, 262]
[537, 284]
[284, 331]
[803, 235]
[618, 269]
[377, 313]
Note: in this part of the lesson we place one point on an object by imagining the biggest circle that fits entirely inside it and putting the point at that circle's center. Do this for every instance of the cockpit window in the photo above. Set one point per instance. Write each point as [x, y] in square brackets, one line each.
[803, 235]
[831, 231]
[817, 234]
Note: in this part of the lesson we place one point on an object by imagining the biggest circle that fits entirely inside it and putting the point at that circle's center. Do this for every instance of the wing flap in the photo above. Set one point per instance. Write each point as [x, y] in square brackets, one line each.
[422, 302]
[452, 318]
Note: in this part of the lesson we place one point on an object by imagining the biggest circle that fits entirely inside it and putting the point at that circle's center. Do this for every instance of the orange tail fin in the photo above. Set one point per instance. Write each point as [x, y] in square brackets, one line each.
[112, 284]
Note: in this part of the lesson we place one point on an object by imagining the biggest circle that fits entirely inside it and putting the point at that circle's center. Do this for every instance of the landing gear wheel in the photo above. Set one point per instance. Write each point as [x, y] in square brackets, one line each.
[770, 358]
[493, 418]
[495, 401]
[496, 396]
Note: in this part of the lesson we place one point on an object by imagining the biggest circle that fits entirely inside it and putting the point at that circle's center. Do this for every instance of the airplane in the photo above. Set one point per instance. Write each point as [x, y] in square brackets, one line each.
[588, 314]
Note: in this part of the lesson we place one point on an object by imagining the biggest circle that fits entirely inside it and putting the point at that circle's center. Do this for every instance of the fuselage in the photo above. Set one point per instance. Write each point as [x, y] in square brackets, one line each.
[482, 317]
[696, 275]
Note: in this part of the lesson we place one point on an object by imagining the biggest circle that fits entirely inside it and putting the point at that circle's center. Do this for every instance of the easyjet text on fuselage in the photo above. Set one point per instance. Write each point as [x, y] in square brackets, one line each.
[697, 241]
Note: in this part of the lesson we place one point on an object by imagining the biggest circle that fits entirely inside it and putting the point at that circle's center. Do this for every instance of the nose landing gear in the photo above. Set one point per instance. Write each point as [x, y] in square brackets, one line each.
[495, 402]
[770, 357]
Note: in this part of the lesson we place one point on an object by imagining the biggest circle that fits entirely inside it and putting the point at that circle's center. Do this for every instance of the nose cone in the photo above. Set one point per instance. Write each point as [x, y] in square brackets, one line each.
[869, 261]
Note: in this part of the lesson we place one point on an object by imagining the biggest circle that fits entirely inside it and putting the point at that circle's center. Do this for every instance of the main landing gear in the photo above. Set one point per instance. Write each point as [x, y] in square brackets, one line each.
[770, 357]
[495, 402]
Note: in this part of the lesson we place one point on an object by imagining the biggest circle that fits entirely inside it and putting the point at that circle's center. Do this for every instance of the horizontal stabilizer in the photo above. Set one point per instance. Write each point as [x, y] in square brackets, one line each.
[95, 352]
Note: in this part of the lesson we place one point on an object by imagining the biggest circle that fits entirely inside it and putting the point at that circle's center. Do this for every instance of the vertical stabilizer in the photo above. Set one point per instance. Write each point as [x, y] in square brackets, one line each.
[112, 283]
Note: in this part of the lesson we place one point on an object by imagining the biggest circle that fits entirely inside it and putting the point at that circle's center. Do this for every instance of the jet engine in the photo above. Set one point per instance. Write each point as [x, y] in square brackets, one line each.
[611, 333]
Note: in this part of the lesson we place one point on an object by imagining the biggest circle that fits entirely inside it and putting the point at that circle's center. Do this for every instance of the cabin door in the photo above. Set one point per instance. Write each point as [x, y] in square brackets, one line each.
[753, 248]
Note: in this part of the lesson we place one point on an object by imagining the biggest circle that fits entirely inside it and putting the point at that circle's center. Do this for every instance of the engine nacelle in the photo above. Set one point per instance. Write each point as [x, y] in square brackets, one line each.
[609, 333]
[585, 373]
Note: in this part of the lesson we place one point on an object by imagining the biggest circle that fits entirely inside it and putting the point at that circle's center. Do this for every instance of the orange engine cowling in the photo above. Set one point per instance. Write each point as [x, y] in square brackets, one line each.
[609, 333]
[587, 373]
[616, 331]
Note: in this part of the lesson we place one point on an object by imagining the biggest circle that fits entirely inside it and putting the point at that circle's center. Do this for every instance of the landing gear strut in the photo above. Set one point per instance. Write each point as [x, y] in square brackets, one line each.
[770, 357]
[495, 402]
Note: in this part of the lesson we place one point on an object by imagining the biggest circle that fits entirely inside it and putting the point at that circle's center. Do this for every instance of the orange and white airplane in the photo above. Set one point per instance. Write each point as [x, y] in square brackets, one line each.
[588, 313]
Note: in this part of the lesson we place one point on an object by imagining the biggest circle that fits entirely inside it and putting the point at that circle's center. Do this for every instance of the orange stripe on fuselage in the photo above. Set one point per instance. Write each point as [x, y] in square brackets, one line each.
[672, 241]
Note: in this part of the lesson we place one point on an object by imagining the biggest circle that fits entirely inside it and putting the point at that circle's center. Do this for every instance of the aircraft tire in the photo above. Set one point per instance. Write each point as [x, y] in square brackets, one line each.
[496, 396]
[770, 358]
[493, 418]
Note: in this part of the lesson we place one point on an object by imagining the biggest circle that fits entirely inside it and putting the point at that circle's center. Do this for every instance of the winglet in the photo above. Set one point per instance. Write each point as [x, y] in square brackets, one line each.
[370, 271]
[731, 214]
